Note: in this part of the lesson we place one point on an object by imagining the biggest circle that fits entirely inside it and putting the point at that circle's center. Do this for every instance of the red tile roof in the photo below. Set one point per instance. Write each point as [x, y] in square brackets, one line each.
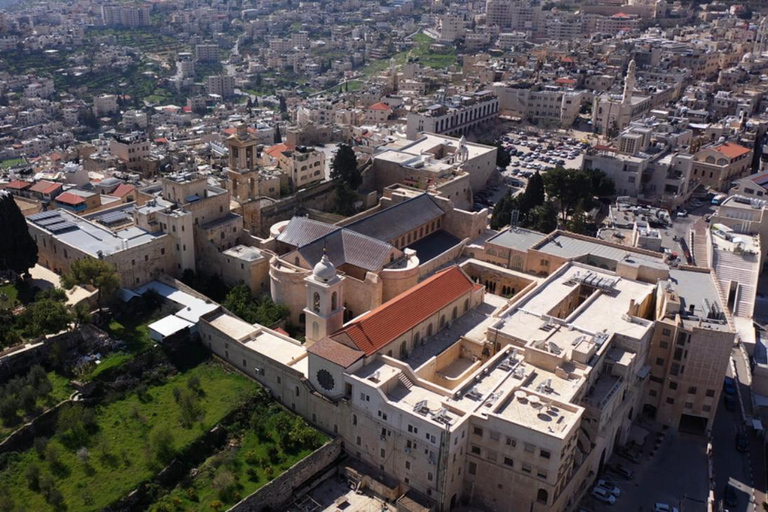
[380, 106]
[19, 185]
[277, 149]
[386, 323]
[731, 150]
[45, 187]
[70, 199]
[123, 190]
[335, 352]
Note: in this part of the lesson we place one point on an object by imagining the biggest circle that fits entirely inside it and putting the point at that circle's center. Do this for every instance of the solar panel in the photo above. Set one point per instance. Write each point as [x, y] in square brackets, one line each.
[50, 221]
[43, 215]
[112, 218]
[62, 227]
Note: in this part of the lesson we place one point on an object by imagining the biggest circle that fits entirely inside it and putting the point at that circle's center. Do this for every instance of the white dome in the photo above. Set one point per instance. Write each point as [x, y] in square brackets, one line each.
[324, 270]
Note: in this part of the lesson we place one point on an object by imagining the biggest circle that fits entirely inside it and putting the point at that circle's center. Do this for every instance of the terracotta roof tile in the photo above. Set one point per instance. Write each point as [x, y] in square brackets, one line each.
[69, 198]
[19, 185]
[45, 187]
[731, 150]
[335, 352]
[380, 106]
[386, 323]
[123, 190]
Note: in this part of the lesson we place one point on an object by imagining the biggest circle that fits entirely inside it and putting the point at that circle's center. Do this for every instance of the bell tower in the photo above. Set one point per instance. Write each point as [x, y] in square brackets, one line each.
[324, 312]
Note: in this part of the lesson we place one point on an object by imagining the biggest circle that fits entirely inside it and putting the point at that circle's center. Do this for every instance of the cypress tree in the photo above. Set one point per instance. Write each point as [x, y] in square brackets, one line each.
[18, 252]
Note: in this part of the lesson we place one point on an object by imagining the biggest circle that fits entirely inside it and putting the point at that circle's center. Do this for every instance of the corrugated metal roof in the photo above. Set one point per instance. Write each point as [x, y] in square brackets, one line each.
[571, 247]
[301, 231]
[398, 219]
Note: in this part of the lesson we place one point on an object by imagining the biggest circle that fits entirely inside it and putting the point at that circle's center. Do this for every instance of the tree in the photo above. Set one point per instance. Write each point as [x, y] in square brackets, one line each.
[345, 199]
[86, 117]
[93, 272]
[502, 156]
[161, 443]
[46, 316]
[502, 212]
[578, 221]
[344, 167]
[544, 217]
[278, 136]
[81, 314]
[533, 195]
[18, 252]
[262, 310]
[282, 104]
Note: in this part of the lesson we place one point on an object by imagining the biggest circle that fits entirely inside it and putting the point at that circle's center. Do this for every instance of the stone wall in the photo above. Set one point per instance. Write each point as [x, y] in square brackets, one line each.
[42, 426]
[320, 197]
[281, 491]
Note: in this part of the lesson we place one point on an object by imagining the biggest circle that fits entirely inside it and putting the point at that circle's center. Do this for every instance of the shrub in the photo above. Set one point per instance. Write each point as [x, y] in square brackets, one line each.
[192, 494]
[161, 445]
[224, 483]
[32, 474]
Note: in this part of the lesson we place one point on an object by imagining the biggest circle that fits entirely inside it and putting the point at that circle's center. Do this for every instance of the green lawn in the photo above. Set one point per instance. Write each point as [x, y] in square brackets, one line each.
[421, 50]
[12, 294]
[7, 164]
[120, 452]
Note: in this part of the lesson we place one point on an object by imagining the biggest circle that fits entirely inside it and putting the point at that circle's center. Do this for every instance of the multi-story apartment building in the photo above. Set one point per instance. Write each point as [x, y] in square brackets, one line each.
[719, 165]
[303, 165]
[547, 105]
[455, 116]
[220, 85]
[208, 52]
[126, 15]
[132, 148]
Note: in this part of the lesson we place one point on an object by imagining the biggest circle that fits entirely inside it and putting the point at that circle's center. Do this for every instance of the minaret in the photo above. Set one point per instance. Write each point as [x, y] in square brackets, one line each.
[325, 311]
[629, 83]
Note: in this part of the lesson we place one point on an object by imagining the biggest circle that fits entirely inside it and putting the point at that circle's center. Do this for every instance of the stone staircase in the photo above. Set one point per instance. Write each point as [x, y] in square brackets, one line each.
[742, 269]
[405, 381]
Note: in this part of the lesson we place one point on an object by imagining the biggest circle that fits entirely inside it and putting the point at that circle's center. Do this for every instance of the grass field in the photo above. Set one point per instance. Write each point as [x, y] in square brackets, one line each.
[12, 294]
[122, 452]
[421, 50]
[11, 162]
[135, 333]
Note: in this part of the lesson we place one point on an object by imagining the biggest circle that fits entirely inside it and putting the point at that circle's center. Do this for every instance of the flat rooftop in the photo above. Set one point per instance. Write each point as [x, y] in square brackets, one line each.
[540, 412]
[570, 247]
[697, 290]
[276, 347]
[517, 238]
[428, 141]
[232, 326]
[433, 245]
[90, 237]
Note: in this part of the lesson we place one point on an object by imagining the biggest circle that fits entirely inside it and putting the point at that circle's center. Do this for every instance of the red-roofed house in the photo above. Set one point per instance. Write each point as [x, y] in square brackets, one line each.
[18, 188]
[71, 202]
[719, 165]
[377, 113]
[46, 190]
[125, 192]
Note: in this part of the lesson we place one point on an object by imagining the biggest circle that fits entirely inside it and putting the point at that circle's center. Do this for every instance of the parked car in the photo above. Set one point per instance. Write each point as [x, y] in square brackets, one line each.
[729, 386]
[664, 507]
[682, 213]
[729, 496]
[603, 496]
[742, 444]
[623, 471]
[609, 486]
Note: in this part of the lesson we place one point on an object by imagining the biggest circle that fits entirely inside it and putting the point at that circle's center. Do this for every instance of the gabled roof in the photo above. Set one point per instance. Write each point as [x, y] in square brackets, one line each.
[731, 150]
[380, 106]
[335, 352]
[344, 246]
[69, 198]
[301, 231]
[122, 190]
[45, 187]
[19, 185]
[379, 327]
[392, 222]
[276, 150]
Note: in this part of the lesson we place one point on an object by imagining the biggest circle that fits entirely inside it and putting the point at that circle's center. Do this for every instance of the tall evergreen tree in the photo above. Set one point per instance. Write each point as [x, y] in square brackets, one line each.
[533, 195]
[18, 252]
[278, 135]
[344, 167]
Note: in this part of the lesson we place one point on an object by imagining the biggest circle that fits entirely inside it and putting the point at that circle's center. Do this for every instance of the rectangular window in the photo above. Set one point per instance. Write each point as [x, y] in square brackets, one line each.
[529, 448]
[692, 390]
[527, 468]
[472, 469]
[666, 332]
[407, 464]
[673, 385]
[663, 344]
[544, 454]
[710, 393]
[660, 361]
[509, 462]
[478, 431]
[689, 405]
[541, 474]
[511, 442]
[383, 453]
[475, 449]
[652, 392]
[670, 400]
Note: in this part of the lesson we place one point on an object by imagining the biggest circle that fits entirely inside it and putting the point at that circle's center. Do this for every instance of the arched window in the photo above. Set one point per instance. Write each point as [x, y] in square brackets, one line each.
[416, 338]
[403, 349]
[455, 313]
[389, 353]
[442, 321]
[316, 302]
[334, 301]
[543, 496]
[297, 261]
[466, 305]
[429, 330]
[315, 330]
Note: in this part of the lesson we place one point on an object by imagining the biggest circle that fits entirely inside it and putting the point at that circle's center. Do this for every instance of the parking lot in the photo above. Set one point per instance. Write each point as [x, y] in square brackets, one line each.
[672, 471]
